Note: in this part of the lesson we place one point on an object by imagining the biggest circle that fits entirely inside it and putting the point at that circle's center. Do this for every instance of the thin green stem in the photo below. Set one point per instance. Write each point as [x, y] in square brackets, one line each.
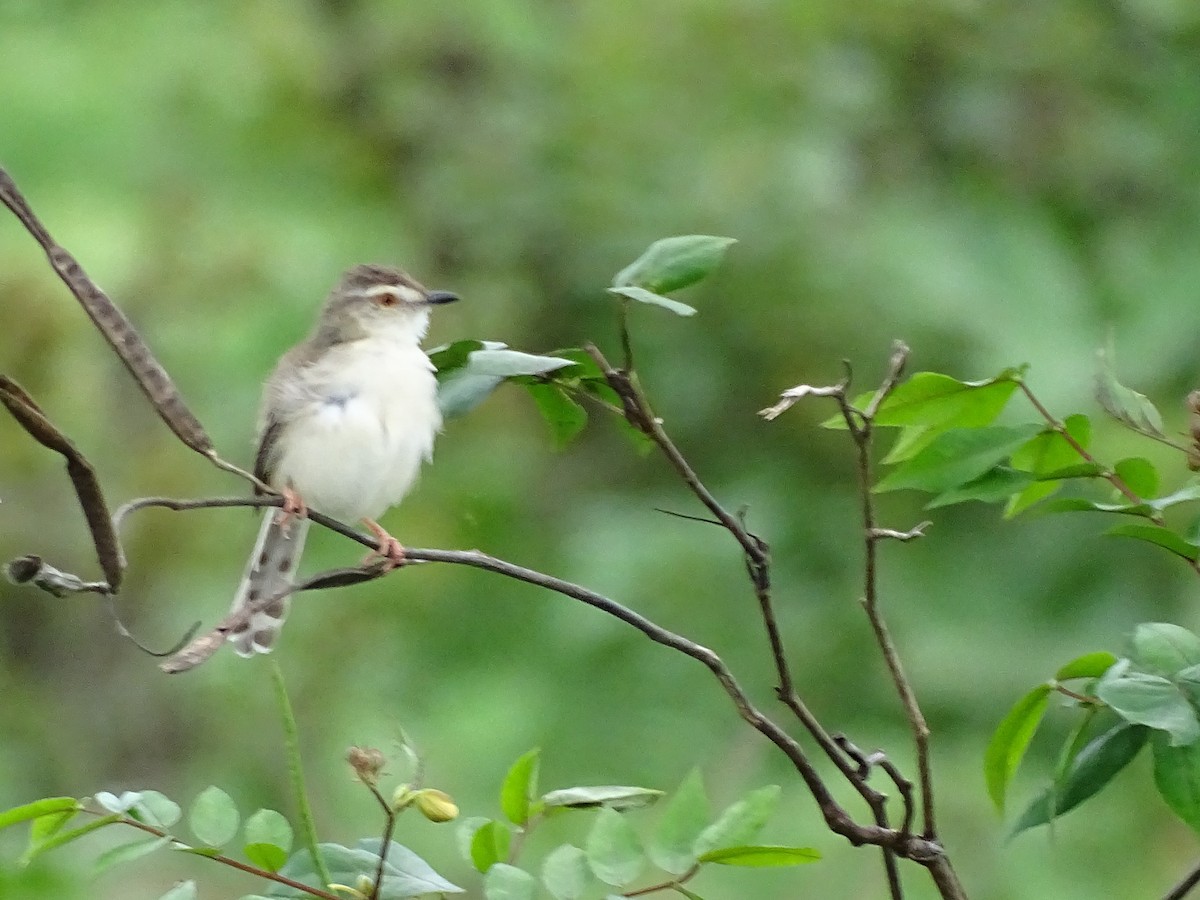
[291, 738]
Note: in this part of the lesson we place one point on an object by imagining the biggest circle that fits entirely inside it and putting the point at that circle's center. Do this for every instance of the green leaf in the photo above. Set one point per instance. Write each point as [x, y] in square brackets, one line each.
[684, 818]
[675, 262]
[936, 401]
[38, 808]
[184, 890]
[641, 295]
[214, 817]
[266, 856]
[1051, 457]
[1050, 452]
[1177, 777]
[1089, 665]
[128, 852]
[740, 823]
[51, 840]
[1095, 766]
[1150, 700]
[156, 809]
[490, 845]
[565, 872]
[470, 370]
[269, 827]
[405, 873]
[992, 486]
[1163, 649]
[1123, 404]
[559, 410]
[609, 796]
[956, 457]
[761, 857]
[453, 356]
[505, 882]
[613, 851]
[1185, 494]
[520, 787]
[506, 363]
[465, 834]
[1139, 475]
[1011, 739]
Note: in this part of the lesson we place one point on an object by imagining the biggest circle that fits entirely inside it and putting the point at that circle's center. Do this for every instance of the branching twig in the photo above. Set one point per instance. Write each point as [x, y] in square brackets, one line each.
[238, 864]
[1060, 429]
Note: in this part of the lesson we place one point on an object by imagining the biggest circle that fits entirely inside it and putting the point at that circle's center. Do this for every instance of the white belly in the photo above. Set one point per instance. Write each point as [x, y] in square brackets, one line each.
[357, 447]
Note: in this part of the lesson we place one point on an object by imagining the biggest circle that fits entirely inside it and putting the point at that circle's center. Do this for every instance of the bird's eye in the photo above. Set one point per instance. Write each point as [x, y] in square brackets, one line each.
[387, 299]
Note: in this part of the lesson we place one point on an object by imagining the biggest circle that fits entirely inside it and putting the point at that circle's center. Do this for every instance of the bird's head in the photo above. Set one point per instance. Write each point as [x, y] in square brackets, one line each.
[378, 301]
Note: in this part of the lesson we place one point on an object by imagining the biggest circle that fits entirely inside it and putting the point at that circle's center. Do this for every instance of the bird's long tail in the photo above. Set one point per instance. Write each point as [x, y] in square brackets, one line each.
[268, 575]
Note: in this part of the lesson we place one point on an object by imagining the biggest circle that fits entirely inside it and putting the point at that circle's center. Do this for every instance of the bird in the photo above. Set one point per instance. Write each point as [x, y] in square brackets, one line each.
[348, 416]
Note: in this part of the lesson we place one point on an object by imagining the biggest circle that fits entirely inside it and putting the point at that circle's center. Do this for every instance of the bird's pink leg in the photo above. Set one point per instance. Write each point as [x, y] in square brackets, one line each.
[293, 505]
[390, 549]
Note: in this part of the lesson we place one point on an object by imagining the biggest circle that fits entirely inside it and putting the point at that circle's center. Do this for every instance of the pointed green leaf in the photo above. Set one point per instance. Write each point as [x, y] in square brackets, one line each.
[956, 457]
[1177, 777]
[453, 356]
[761, 857]
[641, 295]
[213, 817]
[520, 787]
[1050, 452]
[490, 845]
[1157, 535]
[1150, 700]
[1163, 649]
[1186, 494]
[50, 841]
[128, 852]
[1089, 665]
[609, 796]
[1125, 405]
[38, 808]
[1011, 739]
[684, 818]
[937, 401]
[613, 850]
[1095, 766]
[674, 263]
[405, 874]
[505, 882]
[565, 872]
[992, 486]
[559, 410]
[741, 822]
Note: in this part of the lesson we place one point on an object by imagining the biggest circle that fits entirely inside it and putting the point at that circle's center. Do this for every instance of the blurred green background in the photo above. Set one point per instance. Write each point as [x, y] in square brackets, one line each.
[996, 183]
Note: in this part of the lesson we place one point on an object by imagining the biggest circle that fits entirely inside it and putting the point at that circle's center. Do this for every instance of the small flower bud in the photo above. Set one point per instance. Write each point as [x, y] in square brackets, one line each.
[367, 763]
[436, 805]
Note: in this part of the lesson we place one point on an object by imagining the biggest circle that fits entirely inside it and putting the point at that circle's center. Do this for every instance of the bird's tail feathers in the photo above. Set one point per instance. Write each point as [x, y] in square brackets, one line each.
[268, 575]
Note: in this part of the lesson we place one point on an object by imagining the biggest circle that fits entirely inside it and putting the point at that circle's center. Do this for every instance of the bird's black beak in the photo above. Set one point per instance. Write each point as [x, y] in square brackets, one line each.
[440, 297]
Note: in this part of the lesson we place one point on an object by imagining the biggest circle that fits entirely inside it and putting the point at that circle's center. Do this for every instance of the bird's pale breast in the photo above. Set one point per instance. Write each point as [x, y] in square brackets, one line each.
[369, 421]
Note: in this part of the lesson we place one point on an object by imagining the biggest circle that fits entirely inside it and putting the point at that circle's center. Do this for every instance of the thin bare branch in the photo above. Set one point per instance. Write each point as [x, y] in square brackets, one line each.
[915, 532]
[862, 429]
[1185, 886]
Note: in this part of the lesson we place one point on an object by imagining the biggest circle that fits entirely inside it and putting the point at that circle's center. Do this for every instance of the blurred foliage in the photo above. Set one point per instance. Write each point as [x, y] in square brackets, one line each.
[995, 183]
